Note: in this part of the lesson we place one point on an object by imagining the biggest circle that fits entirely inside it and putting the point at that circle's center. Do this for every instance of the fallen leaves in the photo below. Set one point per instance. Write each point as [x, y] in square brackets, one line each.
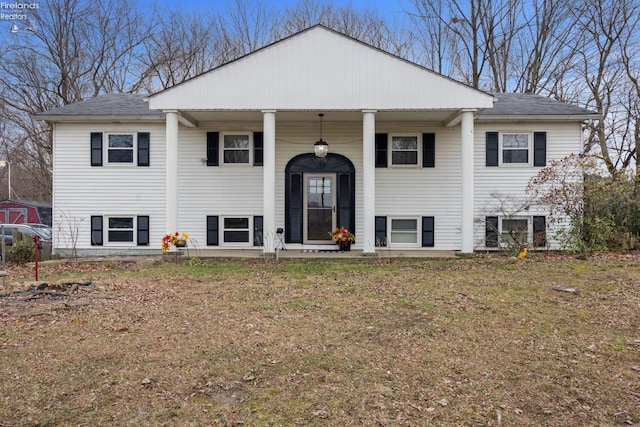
[398, 342]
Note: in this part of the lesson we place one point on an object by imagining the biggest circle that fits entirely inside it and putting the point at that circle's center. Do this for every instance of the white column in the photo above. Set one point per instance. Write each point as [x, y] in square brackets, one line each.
[269, 180]
[467, 182]
[171, 172]
[367, 234]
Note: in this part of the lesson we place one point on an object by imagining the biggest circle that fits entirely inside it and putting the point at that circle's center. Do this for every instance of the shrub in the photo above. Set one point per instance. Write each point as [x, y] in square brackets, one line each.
[21, 252]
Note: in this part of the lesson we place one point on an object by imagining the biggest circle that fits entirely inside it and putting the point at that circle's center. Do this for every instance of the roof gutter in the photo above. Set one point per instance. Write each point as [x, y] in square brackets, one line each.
[102, 119]
[524, 117]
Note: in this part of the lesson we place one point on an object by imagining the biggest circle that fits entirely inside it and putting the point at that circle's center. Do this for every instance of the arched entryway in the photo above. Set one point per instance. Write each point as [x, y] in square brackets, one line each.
[319, 195]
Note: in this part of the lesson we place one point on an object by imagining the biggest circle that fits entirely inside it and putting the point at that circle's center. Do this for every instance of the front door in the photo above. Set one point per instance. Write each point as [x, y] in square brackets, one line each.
[319, 207]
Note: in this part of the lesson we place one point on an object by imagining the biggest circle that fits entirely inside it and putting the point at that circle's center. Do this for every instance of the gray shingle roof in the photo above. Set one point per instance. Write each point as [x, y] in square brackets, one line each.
[116, 104]
[507, 105]
[526, 104]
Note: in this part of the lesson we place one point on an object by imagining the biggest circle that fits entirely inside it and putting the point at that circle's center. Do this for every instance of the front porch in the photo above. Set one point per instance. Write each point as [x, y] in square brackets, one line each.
[306, 253]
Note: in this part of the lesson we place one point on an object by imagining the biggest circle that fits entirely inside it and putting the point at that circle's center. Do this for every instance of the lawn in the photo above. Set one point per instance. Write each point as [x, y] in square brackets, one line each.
[482, 341]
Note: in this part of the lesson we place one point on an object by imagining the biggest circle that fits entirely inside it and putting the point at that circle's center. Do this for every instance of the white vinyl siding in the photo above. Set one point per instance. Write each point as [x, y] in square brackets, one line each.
[80, 190]
[501, 191]
[415, 192]
[318, 70]
[228, 191]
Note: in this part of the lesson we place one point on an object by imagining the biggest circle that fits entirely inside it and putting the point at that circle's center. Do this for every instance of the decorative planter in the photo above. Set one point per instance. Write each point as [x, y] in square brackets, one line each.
[344, 245]
[181, 243]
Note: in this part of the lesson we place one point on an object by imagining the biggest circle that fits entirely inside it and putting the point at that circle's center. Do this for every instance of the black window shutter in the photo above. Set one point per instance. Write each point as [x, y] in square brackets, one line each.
[143, 231]
[491, 233]
[96, 231]
[213, 148]
[258, 149]
[294, 205]
[346, 200]
[492, 148]
[258, 230]
[143, 148]
[539, 231]
[428, 150]
[540, 149]
[212, 230]
[381, 231]
[381, 150]
[96, 148]
[428, 234]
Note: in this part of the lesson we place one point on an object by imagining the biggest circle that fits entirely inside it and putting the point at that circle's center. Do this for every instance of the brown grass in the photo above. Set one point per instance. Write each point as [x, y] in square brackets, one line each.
[385, 342]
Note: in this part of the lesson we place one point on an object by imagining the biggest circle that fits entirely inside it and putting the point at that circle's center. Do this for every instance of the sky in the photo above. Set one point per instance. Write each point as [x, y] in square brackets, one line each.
[14, 13]
[390, 9]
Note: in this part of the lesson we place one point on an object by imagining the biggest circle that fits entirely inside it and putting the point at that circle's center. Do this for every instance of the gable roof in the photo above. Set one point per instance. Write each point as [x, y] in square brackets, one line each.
[526, 105]
[320, 69]
[105, 107]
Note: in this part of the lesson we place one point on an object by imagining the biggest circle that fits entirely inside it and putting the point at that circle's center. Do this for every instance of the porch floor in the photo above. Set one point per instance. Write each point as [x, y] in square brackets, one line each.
[299, 253]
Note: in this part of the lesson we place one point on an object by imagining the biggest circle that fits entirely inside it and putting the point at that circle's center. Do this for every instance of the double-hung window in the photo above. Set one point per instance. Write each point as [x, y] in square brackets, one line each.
[236, 230]
[120, 148]
[515, 148]
[404, 150]
[504, 232]
[515, 230]
[120, 229]
[404, 231]
[236, 149]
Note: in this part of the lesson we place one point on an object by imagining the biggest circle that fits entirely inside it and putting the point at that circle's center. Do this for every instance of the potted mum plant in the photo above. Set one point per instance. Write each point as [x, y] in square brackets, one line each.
[343, 238]
[177, 239]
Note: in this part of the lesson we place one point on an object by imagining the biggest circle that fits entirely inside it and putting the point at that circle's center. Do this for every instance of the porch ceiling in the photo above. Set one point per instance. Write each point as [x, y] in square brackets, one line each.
[329, 116]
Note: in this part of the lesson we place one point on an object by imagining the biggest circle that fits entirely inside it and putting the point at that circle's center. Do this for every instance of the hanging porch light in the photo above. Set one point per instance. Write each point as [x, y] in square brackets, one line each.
[321, 148]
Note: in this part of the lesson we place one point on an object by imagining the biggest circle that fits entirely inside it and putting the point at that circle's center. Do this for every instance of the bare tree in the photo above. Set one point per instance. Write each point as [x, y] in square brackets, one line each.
[71, 51]
[182, 47]
[304, 14]
[543, 48]
[243, 27]
[603, 28]
[469, 37]
[630, 49]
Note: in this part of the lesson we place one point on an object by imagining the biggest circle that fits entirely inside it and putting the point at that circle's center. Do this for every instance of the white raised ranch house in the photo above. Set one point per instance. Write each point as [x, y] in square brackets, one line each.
[414, 158]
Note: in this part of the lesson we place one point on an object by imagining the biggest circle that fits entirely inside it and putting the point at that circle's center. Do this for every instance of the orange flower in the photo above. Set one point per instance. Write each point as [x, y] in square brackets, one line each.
[170, 239]
[342, 234]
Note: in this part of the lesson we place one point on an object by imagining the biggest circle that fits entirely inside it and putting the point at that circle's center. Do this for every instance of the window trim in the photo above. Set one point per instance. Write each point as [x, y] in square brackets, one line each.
[222, 149]
[390, 150]
[390, 232]
[530, 236]
[106, 229]
[529, 162]
[528, 231]
[134, 148]
[250, 230]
